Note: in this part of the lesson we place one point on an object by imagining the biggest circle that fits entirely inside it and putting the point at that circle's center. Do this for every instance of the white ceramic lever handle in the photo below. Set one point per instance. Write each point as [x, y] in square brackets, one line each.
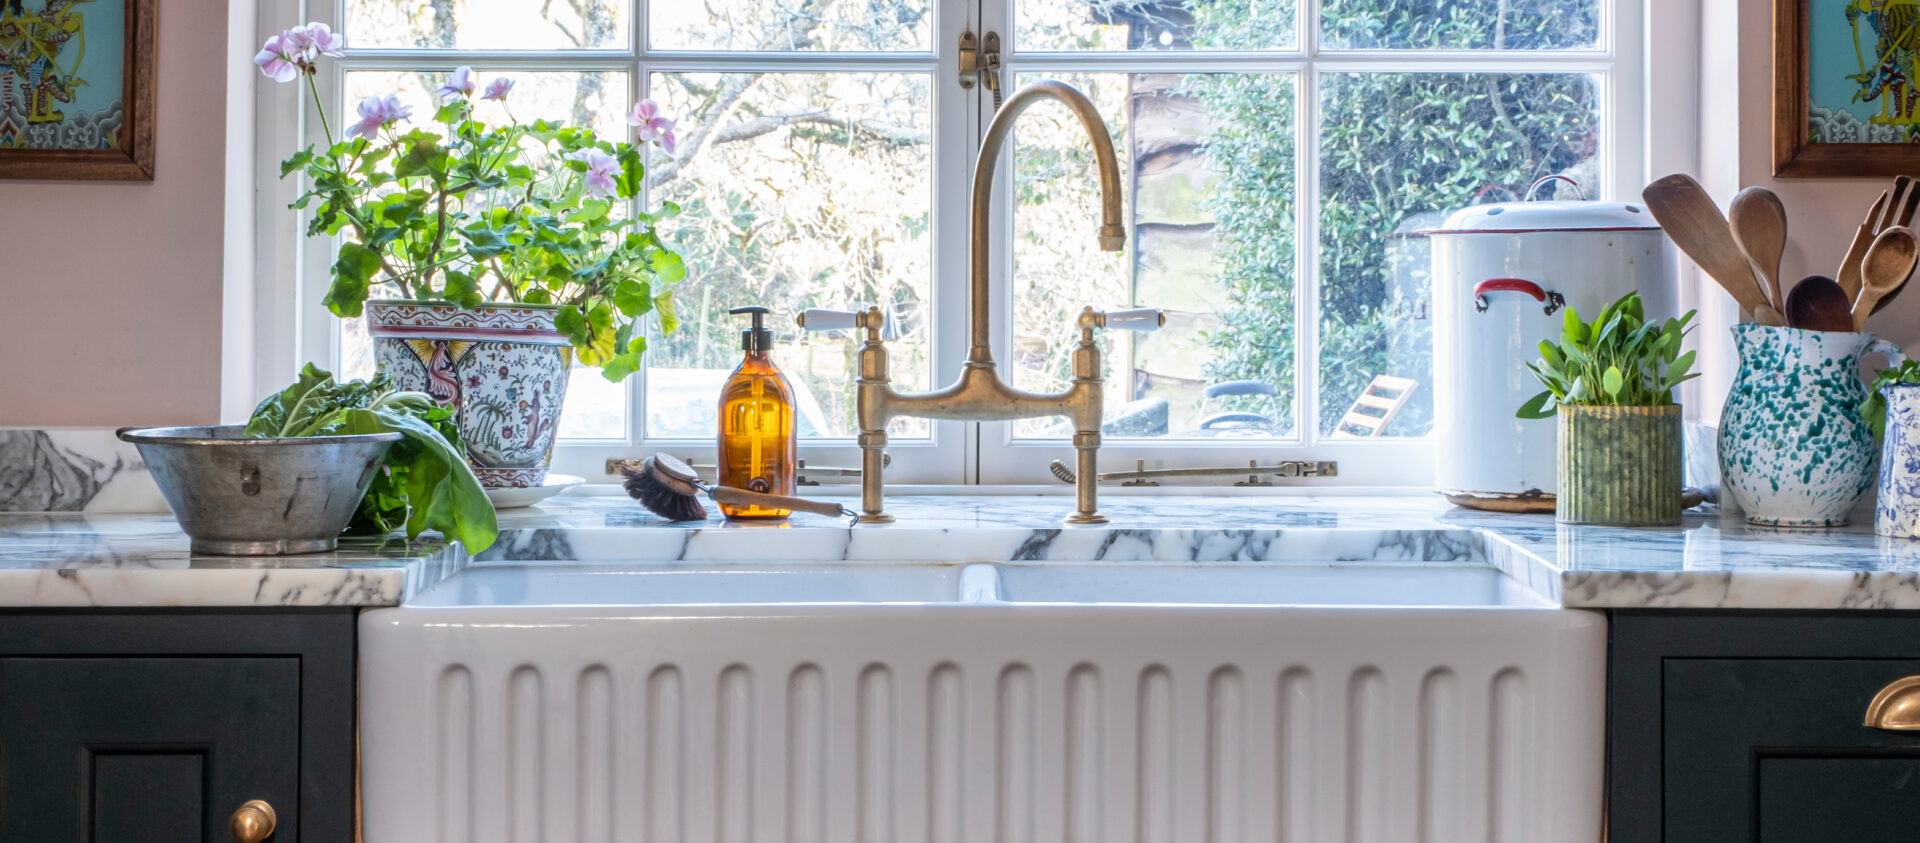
[821, 319]
[1137, 319]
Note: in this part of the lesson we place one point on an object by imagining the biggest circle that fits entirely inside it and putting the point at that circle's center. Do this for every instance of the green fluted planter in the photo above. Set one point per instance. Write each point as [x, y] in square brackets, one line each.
[1619, 466]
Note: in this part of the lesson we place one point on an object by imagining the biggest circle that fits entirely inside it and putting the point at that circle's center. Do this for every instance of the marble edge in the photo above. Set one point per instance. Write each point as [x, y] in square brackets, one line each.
[341, 586]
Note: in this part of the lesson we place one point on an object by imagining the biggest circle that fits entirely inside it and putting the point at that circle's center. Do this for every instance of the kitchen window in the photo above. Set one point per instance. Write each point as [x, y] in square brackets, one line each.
[1281, 161]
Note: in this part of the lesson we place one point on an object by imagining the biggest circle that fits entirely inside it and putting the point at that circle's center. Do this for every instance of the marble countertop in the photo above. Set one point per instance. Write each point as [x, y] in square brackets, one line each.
[1709, 561]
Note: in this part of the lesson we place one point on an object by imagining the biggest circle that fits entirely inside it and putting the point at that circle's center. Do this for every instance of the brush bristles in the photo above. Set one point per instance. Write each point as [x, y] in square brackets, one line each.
[658, 497]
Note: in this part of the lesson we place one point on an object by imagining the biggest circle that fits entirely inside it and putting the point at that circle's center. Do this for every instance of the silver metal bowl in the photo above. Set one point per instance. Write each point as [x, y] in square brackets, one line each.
[235, 496]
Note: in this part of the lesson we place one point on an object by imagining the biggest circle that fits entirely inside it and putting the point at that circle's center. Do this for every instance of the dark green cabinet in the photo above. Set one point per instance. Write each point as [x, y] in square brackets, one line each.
[1748, 726]
[142, 727]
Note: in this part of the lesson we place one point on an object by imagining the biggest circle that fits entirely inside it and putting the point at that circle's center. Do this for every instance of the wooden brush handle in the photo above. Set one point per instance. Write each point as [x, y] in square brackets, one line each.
[742, 497]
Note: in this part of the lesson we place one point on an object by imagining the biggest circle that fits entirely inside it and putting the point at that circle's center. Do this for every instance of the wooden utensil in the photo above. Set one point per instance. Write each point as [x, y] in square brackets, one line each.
[1888, 263]
[1896, 206]
[1818, 304]
[1760, 227]
[1696, 225]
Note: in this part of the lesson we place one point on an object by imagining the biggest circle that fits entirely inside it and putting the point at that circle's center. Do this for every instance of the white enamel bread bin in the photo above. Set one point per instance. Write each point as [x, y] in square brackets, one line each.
[1503, 276]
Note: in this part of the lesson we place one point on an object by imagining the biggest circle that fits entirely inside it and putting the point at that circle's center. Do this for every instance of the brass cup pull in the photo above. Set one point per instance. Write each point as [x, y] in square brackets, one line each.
[1897, 707]
[252, 822]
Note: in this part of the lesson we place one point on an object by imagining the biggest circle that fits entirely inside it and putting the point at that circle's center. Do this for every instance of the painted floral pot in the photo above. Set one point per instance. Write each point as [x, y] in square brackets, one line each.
[1619, 466]
[1793, 449]
[1897, 512]
[502, 368]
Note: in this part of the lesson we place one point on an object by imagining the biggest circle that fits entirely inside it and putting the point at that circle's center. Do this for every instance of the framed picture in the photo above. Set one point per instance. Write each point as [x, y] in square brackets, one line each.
[76, 89]
[1846, 88]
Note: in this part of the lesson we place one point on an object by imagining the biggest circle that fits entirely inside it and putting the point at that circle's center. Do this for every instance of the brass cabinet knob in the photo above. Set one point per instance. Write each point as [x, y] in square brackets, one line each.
[253, 822]
[1897, 707]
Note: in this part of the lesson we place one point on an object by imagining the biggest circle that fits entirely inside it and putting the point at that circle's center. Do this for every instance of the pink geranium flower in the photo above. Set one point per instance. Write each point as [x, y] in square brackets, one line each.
[277, 61]
[601, 169]
[377, 113]
[653, 127]
[498, 89]
[322, 40]
[460, 84]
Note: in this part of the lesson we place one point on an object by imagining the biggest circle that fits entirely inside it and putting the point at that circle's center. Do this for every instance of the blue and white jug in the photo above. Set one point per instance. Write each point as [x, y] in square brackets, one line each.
[1897, 513]
[1794, 451]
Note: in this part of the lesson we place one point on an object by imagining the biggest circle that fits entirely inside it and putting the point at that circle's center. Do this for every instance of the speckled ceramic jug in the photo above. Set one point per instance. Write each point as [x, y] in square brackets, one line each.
[1793, 449]
[1897, 512]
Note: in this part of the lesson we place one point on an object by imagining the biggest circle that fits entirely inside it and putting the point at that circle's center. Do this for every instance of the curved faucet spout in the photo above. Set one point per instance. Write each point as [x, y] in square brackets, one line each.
[1113, 235]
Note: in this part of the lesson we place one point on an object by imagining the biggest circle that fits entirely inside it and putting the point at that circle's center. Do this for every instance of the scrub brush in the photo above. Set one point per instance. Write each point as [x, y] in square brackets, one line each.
[670, 489]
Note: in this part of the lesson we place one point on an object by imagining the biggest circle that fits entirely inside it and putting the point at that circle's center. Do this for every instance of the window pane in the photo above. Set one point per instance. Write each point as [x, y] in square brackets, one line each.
[487, 24]
[1044, 25]
[1460, 24]
[594, 408]
[791, 25]
[1397, 152]
[796, 190]
[1208, 164]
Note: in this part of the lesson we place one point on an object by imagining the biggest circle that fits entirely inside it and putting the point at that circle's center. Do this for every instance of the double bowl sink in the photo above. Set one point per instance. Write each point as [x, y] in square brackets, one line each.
[687, 584]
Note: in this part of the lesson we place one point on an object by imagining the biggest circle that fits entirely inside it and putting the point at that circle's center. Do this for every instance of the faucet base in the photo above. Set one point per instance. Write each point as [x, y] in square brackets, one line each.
[875, 518]
[1086, 518]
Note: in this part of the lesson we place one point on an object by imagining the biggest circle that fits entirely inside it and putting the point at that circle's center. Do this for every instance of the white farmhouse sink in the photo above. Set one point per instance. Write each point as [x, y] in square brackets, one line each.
[1357, 702]
[1251, 585]
[599, 585]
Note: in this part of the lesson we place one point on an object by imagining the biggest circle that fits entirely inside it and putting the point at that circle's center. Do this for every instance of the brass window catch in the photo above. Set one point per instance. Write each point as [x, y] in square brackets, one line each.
[983, 60]
[1143, 476]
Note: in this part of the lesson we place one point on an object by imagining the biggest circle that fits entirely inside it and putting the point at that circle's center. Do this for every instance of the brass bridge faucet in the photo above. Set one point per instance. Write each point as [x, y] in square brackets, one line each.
[979, 394]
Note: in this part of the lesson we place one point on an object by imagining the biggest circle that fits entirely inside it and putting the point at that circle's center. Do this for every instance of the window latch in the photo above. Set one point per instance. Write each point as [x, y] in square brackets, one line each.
[800, 471]
[981, 58]
[1142, 476]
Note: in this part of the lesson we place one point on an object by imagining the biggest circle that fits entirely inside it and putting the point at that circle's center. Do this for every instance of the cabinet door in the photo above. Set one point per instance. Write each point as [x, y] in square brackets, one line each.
[141, 750]
[1773, 750]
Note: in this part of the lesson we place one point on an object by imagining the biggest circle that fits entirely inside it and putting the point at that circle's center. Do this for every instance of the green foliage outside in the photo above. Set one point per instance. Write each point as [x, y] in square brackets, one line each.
[1392, 146]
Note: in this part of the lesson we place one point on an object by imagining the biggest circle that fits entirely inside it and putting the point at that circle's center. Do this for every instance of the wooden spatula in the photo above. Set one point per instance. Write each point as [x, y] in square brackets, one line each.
[1696, 225]
[1760, 227]
[1888, 263]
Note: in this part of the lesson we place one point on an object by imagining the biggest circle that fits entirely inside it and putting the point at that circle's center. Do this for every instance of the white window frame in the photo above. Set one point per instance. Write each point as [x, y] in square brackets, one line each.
[1644, 40]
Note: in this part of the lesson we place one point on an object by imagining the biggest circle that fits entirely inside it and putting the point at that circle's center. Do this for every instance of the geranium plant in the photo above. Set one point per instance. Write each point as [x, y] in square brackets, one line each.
[468, 213]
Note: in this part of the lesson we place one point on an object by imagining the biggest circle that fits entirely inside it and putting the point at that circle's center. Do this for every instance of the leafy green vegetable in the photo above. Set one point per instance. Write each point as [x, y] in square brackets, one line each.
[1874, 409]
[1618, 360]
[425, 483]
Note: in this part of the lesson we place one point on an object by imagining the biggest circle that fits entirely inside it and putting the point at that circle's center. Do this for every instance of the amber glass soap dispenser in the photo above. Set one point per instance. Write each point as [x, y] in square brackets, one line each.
[756, 424]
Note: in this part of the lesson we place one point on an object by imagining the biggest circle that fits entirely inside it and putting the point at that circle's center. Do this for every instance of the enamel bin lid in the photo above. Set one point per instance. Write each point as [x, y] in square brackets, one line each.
[1535, 217]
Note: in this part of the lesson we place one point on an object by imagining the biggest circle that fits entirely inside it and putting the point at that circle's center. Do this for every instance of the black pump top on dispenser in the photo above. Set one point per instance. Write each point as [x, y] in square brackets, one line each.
[757, 338]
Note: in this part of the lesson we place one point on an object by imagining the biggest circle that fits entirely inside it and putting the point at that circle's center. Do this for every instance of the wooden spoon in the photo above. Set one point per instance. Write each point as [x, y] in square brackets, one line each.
[1688, 214]
[1818, 304]
[1887, 264]
[1760, 227]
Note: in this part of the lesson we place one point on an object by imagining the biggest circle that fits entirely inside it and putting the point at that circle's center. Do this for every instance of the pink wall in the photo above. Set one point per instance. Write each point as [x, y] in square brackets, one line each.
[110, 293]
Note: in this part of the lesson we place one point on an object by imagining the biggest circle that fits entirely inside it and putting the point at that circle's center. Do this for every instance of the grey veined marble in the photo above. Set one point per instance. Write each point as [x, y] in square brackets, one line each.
[72, 471]
[1710, 561]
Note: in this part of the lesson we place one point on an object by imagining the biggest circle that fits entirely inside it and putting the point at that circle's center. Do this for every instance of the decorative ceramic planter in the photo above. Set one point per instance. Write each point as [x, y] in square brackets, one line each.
[1897, 512]
[1793, 449]
[1619, 465]
[502, 368]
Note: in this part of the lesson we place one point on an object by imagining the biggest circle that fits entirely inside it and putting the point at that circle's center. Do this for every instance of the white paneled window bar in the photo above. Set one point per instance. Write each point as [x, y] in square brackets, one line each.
[1280, 158]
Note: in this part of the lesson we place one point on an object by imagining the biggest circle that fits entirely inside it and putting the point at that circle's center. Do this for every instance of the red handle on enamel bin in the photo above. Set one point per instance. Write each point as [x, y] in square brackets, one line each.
[1553, 300]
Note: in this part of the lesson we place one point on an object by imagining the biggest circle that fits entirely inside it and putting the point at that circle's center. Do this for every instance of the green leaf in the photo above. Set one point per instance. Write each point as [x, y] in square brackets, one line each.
[632, 298]
[1538, 407]
[270, 417]
[353, 271]
[669, 319]
[463, 289]
[1613, 381]
[441, 491]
